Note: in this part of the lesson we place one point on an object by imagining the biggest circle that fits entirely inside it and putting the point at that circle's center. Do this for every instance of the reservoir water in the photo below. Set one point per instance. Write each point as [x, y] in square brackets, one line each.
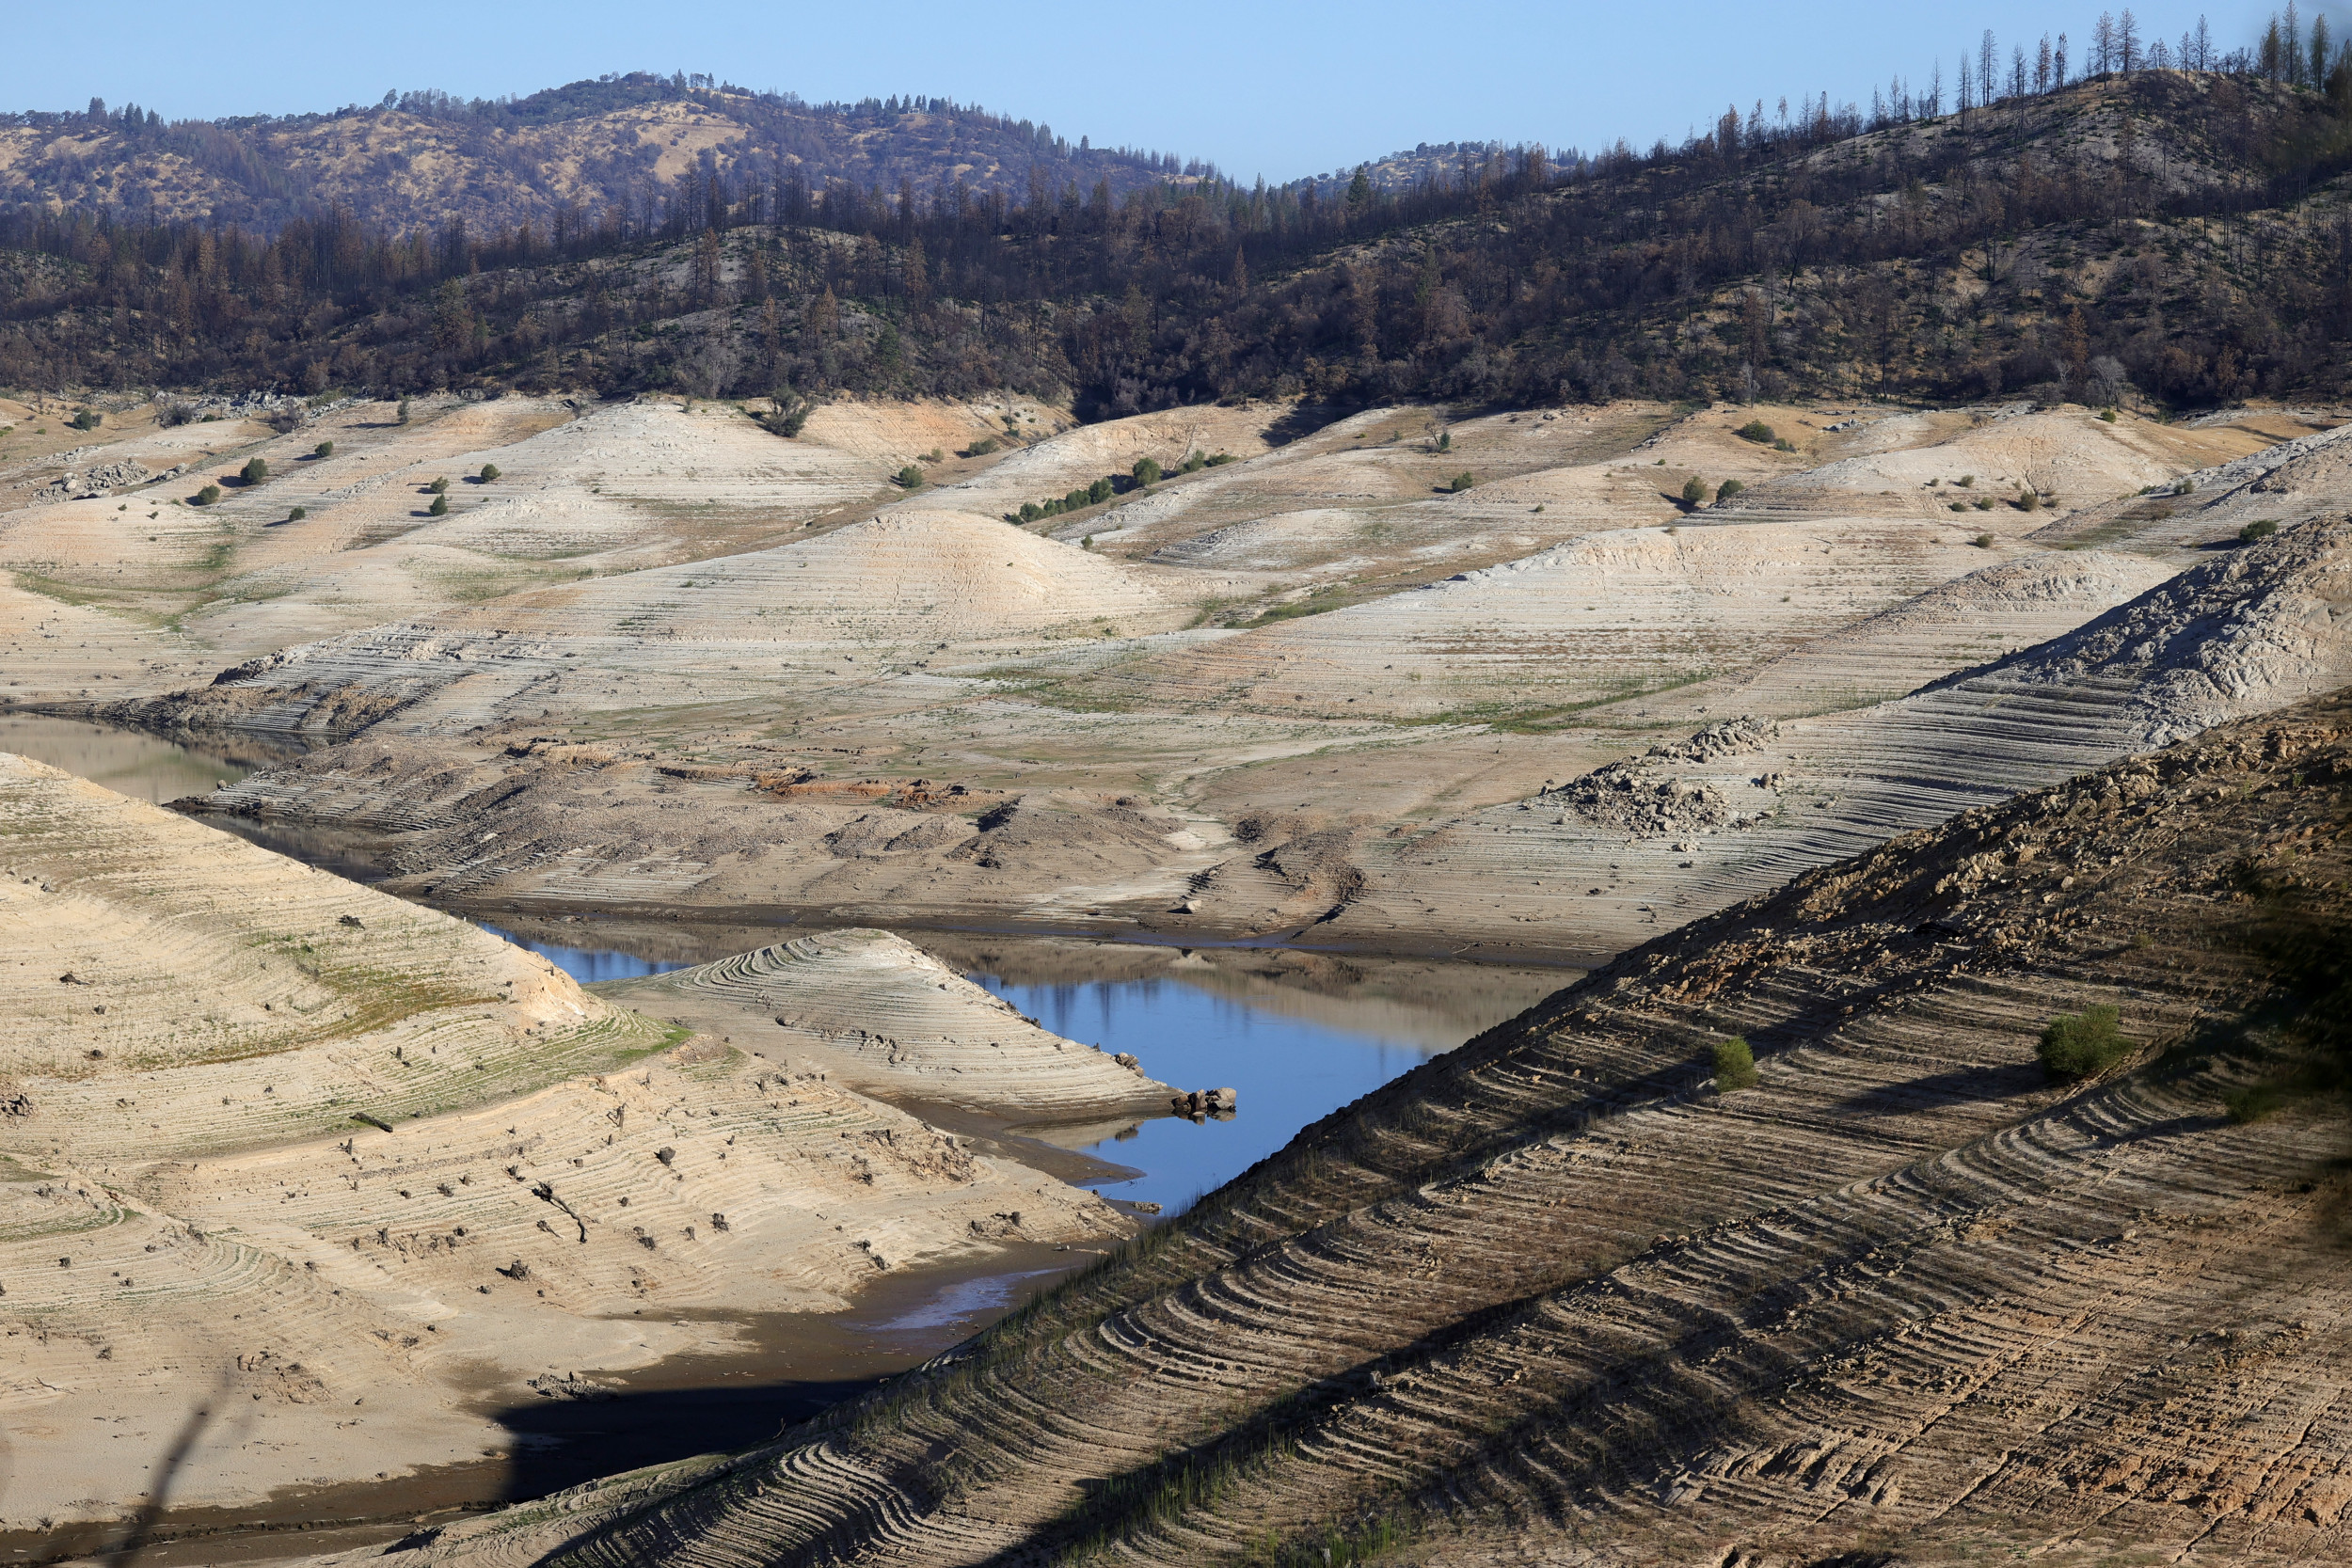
[1295, 1033]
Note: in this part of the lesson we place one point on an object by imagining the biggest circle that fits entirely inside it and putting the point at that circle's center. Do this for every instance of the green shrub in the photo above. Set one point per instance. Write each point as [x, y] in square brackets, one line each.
[1029, 512]
[296, 514]
[84, 418]
[2029, 502]
[1759, 432]
[207, 496]
[981, 447]
[2081, 1045]
[1967, 482]
[255, 470]
[1193, 462]
[2262, 527]
[1100, 491]
[1218, 459]
[2181, 487]
[1984, 503]
[1735, 1065]
[1982, 541]
[787, 417]
[489, 472]
[2255, 1102]
[1783, 444]
[1730, 488]
[440, 507]
[2108, 415]
[1460, 483]
[1445, 441]
[403, 411]
[1146, 472]
[910, 478]
[325, 448]
[438, 486]
[1960, 506]
[933, 455]
[1693, 491]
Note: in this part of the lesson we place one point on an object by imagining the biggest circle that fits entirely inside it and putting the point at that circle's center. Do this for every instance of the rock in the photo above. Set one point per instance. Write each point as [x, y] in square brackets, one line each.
[1200, 1103]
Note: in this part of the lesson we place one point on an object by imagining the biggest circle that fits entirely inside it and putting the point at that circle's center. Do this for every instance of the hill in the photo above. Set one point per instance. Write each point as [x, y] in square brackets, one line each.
[2156, 239]
[556, 161]
[1574, 1294]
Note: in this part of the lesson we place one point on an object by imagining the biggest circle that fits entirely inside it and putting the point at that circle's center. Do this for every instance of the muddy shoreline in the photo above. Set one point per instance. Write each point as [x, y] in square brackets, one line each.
[350, 852]
[793, 1366]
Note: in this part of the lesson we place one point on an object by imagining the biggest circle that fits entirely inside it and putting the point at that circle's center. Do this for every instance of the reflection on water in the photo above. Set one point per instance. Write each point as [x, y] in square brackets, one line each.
[1287, 1071]
[969, 1304]
[125, 761]
[590, 964]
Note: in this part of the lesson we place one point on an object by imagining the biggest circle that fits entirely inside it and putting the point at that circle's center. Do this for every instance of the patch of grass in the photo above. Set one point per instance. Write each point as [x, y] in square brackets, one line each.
[1735, 1064]
[2082, 1045]
[1315, 604]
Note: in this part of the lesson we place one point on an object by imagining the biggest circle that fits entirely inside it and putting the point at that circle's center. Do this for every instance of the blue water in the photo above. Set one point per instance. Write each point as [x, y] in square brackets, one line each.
[588, 964]
[1287, 1073]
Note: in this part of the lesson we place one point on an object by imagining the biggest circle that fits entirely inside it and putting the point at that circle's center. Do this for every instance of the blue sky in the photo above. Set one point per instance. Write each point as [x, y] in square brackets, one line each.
[1273, 89]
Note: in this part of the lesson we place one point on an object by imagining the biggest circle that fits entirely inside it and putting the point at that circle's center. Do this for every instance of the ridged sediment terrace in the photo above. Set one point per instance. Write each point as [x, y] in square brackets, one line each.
[365, 1171]
[1561, 1296]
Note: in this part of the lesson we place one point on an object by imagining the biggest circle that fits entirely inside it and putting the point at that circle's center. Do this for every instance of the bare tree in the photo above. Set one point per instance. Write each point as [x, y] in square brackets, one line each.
[2127, 42]
[2103, 45]
[2201, 47]
[1988, 66]
[2042, 67]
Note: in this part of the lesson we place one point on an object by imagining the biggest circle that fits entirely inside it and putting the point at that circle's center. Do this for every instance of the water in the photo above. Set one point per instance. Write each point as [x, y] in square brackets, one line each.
[1287, 1073]
[1296, 1035]
[590, 964]
[125, 761]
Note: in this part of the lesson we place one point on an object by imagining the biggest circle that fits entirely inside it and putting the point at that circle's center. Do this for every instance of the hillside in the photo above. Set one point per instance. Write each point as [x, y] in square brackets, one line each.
[560, 158]
[1570, 1295]
[400, 1155]
[2161, 239]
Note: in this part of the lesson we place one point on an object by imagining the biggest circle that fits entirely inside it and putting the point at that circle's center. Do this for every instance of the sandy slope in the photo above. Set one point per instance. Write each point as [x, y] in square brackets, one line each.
[1648, 843]
[363, 1171]
[827, 724]
[885, 1017]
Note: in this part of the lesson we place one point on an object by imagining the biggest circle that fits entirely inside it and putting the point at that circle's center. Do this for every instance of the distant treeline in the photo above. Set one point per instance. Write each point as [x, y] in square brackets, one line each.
[1510, 278]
